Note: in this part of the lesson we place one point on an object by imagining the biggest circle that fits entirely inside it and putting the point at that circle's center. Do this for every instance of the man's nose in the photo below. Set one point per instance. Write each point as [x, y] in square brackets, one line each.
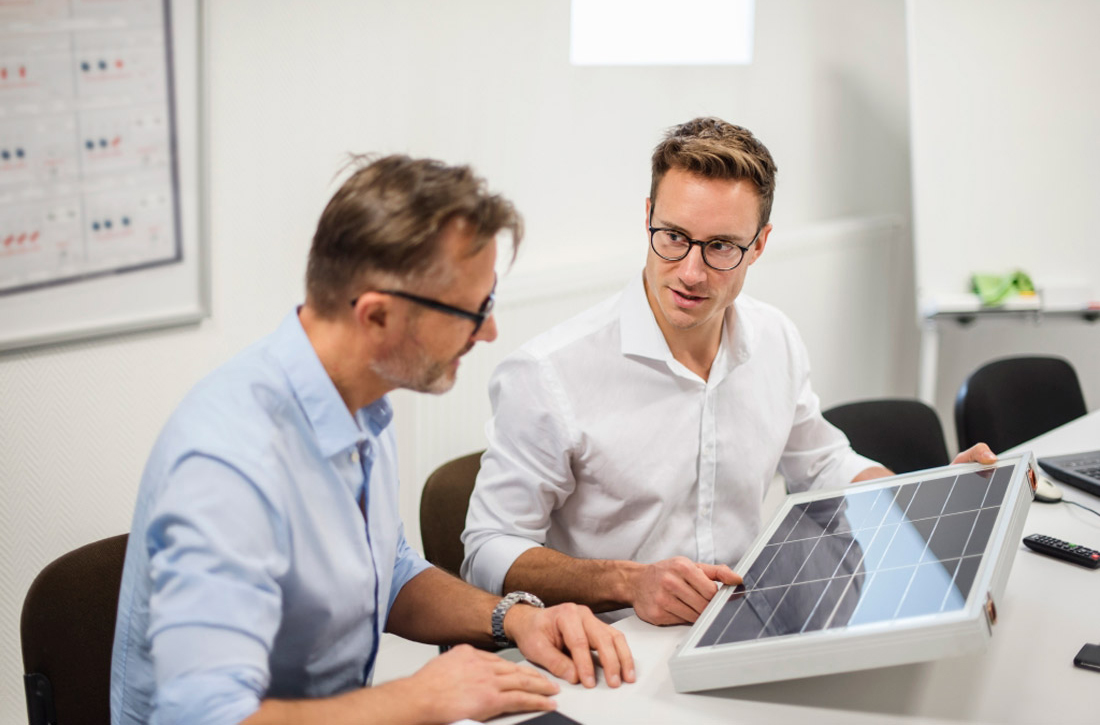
[693, 270]
[488, 330]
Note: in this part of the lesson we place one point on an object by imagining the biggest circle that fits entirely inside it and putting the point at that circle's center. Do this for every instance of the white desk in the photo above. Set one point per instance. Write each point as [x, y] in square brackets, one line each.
[1049, 610]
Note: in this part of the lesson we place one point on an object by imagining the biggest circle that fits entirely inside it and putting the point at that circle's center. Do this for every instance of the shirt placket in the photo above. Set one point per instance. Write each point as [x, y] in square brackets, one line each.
[708, 455]
[364, 457]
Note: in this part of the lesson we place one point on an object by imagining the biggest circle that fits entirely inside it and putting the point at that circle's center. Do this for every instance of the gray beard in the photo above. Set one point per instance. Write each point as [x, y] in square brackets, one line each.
[414, 372]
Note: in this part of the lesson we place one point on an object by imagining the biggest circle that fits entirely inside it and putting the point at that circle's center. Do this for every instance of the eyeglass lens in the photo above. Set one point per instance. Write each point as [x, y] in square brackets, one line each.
[674, 246]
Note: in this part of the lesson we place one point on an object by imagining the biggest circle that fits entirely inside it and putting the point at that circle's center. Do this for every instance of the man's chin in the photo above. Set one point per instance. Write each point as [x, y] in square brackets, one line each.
[684, 319]
[439, 384]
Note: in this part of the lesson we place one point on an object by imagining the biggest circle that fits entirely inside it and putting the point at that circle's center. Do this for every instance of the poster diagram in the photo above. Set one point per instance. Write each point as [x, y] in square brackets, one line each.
[88, 182]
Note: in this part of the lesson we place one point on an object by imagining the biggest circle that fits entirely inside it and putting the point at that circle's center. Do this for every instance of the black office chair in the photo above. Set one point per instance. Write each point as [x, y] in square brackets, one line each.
[1006, 402]
[443, 505]
[67, 630]
[902, 434]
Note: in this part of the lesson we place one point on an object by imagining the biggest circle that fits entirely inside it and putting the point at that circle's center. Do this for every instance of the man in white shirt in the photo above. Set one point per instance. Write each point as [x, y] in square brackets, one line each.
[631, 447]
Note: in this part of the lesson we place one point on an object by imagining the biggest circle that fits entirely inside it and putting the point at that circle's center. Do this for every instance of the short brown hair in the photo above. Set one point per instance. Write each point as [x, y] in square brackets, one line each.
[714, 149]
[386, 219]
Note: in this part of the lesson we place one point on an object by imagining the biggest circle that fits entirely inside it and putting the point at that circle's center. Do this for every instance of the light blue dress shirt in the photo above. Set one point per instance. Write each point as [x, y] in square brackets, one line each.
[250, 572]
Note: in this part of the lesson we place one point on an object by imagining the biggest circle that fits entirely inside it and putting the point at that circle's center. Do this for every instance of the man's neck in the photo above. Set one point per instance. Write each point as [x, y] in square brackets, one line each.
[695, 348]
[347, 367]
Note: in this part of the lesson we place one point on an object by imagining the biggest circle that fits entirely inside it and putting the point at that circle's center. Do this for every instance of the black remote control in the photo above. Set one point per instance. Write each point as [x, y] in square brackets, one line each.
[1063, 550]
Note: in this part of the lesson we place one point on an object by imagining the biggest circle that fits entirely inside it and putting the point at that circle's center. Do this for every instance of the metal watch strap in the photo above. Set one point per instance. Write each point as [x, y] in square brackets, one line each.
[499, 638]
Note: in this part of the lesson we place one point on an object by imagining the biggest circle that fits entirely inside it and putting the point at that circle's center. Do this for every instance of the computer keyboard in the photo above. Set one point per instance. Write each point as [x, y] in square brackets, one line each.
[1081, 470]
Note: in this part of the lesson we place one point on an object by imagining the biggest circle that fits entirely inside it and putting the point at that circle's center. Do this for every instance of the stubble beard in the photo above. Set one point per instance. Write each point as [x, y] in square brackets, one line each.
[415, 370]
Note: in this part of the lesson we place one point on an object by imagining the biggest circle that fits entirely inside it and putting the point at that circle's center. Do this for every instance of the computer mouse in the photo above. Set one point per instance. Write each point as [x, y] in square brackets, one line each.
[1046, 491]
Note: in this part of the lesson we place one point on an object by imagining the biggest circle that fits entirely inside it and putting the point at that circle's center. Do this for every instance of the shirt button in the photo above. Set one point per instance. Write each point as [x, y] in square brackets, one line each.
[354, 456]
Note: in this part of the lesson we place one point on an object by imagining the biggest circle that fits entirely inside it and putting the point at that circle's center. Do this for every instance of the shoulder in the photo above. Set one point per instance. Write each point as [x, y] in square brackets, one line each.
[545, 367]
[767, 321]
[758, 310]
[579, 332]
[242, 414]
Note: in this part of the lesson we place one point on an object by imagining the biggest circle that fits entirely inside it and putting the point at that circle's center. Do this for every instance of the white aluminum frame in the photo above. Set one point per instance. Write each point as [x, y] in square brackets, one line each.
[864, 646]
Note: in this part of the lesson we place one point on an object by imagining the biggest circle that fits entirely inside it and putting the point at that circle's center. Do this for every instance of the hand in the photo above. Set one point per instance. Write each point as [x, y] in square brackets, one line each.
[979, 453]
[469, 683]
[675, 591]
[543, 634]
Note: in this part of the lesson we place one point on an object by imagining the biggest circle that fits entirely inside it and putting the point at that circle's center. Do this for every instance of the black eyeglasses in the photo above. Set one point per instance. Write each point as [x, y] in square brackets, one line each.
[478, 318]
[720, 254]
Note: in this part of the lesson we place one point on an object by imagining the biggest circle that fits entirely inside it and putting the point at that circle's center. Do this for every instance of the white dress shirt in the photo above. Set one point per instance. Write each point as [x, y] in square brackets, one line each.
[602, 445]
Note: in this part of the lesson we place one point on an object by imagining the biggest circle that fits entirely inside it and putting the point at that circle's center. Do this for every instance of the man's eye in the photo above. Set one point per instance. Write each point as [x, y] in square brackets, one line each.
[676, 237]
[721, 247]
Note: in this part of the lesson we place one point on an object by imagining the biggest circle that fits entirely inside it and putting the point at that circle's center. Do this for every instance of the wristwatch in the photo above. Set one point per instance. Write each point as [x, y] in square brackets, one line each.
[510, 600]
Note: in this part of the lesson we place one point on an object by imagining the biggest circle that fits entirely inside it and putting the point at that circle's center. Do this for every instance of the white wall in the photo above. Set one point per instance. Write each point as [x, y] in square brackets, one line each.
[294, 85]
[1005, 163]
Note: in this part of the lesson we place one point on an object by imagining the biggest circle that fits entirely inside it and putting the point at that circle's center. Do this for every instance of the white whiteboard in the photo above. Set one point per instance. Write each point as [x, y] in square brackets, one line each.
[101, 224]
[1005, 114]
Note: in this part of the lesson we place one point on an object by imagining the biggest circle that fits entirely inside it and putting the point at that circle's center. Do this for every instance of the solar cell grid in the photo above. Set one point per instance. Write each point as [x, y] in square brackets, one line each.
[867, 557]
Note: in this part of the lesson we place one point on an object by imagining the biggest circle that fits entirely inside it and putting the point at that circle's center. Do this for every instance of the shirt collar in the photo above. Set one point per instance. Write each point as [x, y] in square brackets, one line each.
[642, 337]
[332, 423]
[638, 328]
[740, 331]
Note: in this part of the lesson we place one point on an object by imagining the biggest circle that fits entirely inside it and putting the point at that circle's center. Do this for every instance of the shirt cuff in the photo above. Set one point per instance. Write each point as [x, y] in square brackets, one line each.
[853, 465]
[405, 570]
[488, 567]
[208, 675]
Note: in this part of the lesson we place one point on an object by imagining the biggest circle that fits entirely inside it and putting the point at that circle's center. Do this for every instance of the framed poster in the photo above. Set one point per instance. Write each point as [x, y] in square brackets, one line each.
[101, 213]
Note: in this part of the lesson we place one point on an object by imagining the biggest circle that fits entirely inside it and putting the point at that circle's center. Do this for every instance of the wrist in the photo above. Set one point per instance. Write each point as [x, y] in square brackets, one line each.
[501, 625]
[629, 576]
[515, 620]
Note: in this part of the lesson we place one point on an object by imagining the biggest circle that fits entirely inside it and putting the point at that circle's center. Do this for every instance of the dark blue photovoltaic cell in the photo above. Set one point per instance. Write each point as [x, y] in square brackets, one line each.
[865, 557]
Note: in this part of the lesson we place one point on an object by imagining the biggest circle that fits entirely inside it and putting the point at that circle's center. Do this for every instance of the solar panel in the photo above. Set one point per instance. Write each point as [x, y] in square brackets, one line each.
[902, 569]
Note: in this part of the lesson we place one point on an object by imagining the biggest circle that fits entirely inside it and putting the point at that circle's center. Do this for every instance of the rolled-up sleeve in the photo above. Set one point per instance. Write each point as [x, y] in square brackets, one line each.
[525, 473]
[406, 566]
[817, 454]
[217, 549]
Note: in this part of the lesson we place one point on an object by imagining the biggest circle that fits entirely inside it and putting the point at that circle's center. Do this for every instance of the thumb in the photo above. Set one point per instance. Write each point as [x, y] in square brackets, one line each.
[721, 573]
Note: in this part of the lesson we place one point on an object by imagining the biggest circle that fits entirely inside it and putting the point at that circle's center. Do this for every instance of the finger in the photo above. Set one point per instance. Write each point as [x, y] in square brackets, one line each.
[720, 572]
[695, 589]
[553, 660]
[626, 657]
[615, 657]
[527, 680]
[576, 641]
[600, 640]
[979, 453]
[680, 611]
[982, 453]
[519, 701]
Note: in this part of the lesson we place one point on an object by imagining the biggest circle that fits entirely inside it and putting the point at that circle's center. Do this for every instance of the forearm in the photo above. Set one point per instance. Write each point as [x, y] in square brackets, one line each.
[871, 473]
[600, 584]
[437, 608]
[396, 702]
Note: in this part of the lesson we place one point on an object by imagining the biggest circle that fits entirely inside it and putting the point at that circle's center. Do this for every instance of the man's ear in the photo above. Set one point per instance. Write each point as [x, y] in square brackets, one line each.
[761, 242]
[373, 312]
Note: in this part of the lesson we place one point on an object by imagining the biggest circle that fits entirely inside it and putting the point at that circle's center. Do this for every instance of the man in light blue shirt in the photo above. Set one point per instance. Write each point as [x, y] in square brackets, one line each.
[266, 555]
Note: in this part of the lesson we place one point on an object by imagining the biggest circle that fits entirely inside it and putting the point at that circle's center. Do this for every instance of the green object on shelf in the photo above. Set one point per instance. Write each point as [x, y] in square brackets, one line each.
[993, 289]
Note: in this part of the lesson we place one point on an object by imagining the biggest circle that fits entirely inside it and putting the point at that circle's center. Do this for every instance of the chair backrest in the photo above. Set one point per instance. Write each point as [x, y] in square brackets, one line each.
[67, 630]
[443, 505]
[1006, 402]
[900, 433]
